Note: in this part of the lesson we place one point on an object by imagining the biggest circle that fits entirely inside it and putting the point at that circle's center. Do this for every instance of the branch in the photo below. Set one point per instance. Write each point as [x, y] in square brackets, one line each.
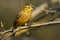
[39, 9]
[32, 26]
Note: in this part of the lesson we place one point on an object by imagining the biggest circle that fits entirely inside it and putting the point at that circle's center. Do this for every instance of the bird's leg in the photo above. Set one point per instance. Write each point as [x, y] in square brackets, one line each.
[28, 32]
[25, 24]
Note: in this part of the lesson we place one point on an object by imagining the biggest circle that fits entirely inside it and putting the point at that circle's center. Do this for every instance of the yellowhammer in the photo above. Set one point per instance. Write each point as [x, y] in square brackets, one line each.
[24, 16]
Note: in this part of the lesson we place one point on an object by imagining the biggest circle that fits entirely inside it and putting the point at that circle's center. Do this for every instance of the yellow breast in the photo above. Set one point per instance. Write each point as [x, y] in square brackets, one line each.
[25, 17]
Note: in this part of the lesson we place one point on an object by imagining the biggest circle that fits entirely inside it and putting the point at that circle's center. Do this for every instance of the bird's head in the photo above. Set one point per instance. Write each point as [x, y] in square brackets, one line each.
[27, 7]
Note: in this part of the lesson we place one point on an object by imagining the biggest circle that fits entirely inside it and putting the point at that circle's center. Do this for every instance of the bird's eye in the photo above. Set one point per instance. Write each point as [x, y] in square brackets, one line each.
[28, 7]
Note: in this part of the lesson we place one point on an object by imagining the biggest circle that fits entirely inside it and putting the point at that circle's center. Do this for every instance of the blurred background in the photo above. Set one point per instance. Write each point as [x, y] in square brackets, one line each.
[9, 9]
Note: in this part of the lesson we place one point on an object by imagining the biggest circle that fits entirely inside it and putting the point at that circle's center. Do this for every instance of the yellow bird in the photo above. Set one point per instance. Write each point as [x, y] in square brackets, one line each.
[24, 16]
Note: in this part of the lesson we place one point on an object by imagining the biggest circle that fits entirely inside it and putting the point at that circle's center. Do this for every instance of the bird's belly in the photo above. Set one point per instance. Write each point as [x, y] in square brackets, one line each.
[23, 19]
